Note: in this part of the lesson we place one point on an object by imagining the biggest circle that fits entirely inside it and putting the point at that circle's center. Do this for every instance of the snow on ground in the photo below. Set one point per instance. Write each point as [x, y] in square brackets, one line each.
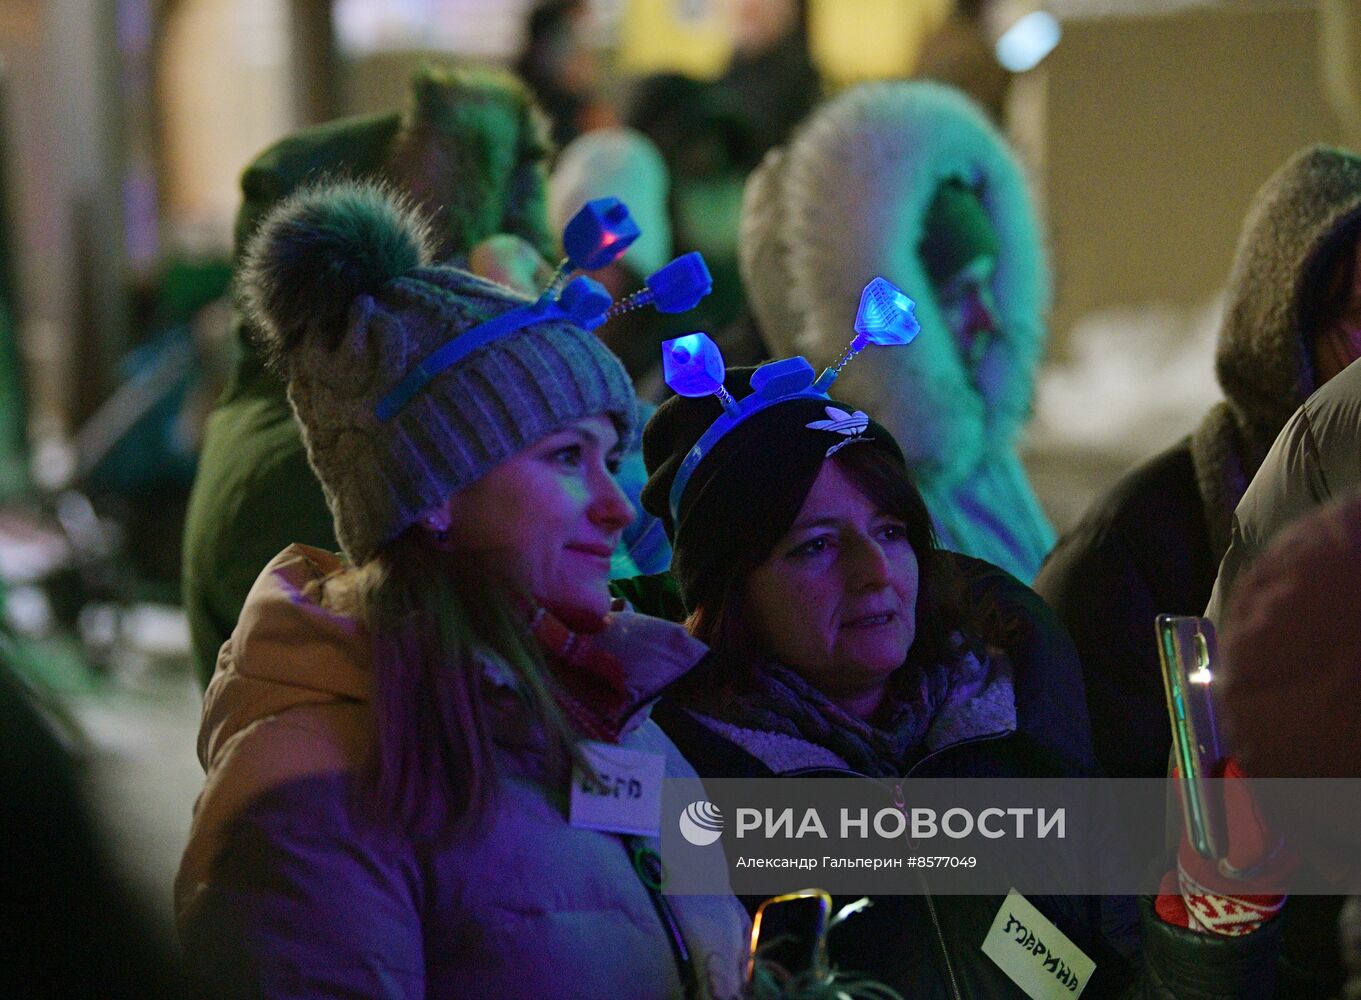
[1138, 379]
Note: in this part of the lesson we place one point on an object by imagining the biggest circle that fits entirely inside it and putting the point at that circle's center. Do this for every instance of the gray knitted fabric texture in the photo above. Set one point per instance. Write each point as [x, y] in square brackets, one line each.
[380, 477]
[347, 306]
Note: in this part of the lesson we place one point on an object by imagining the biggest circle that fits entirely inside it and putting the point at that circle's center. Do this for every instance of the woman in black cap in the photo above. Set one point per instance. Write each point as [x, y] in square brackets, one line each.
[844, 640]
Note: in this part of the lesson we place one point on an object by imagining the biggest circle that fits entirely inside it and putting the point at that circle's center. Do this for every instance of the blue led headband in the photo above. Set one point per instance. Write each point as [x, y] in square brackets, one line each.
[584, 302]
[594, 237]
[693, 366]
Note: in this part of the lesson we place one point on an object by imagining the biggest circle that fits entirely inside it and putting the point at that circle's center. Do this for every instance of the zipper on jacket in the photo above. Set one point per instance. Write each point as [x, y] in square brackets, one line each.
[647, 865]
[900, 801]
[940, 940]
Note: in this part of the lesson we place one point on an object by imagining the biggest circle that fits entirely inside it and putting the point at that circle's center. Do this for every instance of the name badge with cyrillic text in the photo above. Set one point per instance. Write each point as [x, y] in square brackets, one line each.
[1036, 955]
[628, 796]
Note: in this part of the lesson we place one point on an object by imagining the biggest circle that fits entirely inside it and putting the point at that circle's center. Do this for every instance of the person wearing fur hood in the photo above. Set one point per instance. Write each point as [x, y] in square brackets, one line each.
[910, 181]
[1153, 543]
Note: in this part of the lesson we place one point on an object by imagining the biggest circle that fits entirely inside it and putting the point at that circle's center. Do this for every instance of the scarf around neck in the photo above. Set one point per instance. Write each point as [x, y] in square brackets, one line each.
[776, 699]
[592, 690]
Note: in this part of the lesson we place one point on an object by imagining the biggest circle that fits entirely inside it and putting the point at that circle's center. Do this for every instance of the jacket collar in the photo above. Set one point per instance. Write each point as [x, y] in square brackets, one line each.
[654, 652]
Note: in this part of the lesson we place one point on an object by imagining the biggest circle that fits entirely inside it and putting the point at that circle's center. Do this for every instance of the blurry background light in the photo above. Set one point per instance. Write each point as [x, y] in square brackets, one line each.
[1028, 41]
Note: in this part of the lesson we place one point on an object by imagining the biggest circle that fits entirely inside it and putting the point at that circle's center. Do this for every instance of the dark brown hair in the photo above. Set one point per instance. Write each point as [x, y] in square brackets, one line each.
[943, 609]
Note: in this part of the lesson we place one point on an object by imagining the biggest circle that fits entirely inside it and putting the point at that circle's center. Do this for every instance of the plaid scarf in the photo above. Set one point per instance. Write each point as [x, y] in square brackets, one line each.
[591, 688]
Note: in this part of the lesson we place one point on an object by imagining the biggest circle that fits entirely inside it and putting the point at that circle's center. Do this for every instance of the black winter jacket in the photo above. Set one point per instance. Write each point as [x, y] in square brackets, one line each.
[1140, 551]
[929, 946]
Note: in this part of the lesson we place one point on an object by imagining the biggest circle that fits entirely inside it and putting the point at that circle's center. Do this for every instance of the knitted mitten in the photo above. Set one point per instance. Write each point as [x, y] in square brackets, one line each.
[1236, 894]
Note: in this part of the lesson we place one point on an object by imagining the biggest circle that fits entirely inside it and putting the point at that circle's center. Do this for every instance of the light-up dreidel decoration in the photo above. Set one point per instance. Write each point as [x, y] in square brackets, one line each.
[886, 317]
[595, 237]
[676, 287]
[693, 366]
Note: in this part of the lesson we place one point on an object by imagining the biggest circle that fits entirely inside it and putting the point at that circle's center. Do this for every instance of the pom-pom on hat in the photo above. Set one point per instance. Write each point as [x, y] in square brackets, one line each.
[748, 489]
[340, 283]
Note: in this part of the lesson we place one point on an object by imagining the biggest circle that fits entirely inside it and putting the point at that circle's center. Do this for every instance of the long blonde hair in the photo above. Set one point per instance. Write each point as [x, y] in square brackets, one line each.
[432, 616]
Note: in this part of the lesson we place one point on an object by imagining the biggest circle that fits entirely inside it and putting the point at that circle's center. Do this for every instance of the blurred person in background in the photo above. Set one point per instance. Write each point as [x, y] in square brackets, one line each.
[562, 69]
[771, 76]
[390, 737]
[472, 148]
[1289, 707]
[961, 53]
[911, 181]
[708, 142]
[139, 451]
[1153, 543]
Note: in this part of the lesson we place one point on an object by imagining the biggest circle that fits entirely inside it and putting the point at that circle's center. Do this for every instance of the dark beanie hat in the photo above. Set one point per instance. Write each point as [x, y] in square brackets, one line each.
[955, 232]
[748, 489]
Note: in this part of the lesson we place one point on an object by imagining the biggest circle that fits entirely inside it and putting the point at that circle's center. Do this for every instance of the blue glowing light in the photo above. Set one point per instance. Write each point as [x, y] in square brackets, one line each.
[599, 234]
[886, 316]
[584, 302]
[679, 286]
[693, 365]
[1028, 41]
[786, 377]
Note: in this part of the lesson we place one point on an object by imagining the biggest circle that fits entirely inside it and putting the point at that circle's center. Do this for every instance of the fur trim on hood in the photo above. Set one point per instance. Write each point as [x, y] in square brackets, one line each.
[846, 201]
[1263, 359]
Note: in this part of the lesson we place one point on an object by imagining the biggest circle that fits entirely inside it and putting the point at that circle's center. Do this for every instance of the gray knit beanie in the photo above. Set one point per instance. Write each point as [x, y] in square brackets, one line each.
[340, 283]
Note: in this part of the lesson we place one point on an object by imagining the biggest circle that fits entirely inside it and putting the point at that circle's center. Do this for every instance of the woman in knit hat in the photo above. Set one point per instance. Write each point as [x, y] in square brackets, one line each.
[844, 640]
[388, 737]
[471, 147]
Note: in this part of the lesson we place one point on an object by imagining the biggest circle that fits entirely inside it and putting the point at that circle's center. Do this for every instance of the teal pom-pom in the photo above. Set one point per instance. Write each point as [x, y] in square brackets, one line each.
[318, 251]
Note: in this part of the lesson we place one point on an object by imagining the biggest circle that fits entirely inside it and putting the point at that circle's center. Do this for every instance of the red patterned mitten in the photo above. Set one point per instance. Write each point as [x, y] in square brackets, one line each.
[1237, 894]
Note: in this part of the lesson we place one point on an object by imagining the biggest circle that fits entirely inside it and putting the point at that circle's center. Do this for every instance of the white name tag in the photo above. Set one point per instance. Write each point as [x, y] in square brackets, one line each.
[628, 798]
[1035, 954]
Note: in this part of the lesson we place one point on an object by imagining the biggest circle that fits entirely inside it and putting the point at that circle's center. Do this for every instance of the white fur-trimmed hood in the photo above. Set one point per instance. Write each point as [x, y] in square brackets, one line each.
[845, 201]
